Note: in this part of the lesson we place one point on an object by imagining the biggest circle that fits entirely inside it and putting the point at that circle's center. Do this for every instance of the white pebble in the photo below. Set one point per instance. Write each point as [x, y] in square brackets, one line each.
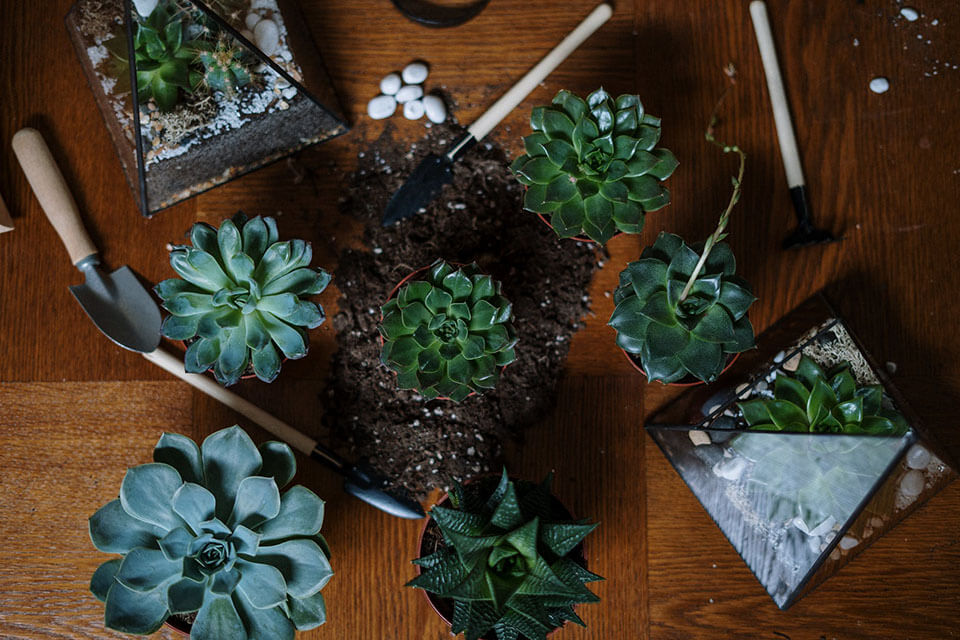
[251, 20]
[699, 438]
[390, 84]
[911, 484]
[415, 73]
[909, 13]
[879, 85]
[435, 108]
[413, 110]
[409, 92]
[381, 107]
[918, 457]
[848, 542]
[792, 363]
[267, 36]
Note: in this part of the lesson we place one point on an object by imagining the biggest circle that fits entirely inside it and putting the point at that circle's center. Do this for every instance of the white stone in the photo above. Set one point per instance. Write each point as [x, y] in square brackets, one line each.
[918, 457]
[699, 438]
[267, 36]
[251, 20]
[435, 108]
[730, 469]
[909, 13]
[911, 484]
[879, 85]
[381, 107]
[413, 110]
[415, 73]
[409, 92]
[792, 363]
[848, 542]
[145, 7]
[390, 84]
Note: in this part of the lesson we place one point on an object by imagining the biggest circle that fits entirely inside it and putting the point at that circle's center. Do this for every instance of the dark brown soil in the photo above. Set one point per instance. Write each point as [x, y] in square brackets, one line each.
[423, 444]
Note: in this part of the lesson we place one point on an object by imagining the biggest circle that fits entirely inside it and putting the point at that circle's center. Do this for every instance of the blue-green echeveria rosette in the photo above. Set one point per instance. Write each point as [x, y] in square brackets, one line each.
[592, 166]
[205, 529]
[239, 300]
[692, 337]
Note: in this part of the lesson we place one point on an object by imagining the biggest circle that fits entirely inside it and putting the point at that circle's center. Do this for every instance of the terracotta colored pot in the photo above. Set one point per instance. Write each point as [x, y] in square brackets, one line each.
[630, 358]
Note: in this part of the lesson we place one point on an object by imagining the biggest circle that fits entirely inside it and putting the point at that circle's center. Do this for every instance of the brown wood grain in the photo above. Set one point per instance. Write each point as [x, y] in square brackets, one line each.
[75, 411]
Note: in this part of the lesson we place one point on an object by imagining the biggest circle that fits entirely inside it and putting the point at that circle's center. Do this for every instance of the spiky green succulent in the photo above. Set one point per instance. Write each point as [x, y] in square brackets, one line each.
[448, 333]
[206, 530]
[591, 167]
[694, 336]
[226, 65]
[819, 401]
[508, 561]
[239, 304]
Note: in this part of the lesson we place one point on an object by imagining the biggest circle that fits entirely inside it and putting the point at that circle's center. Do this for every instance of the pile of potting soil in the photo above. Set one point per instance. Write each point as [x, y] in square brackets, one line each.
[479, 217]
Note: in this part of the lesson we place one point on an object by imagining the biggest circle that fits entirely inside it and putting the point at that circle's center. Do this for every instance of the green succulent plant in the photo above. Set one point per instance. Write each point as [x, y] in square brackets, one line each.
[164, 57]
[816, 401]
[206, 530]
[507, 561]
[239, 303]
[226, 65]
[677, 336]
[449, 333]
[591, 166]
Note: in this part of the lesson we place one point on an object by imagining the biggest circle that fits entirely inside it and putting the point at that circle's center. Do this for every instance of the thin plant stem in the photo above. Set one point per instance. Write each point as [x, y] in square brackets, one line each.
[718, 233]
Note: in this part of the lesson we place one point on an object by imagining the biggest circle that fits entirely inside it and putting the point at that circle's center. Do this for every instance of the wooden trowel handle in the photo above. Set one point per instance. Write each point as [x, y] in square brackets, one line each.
[51, 190]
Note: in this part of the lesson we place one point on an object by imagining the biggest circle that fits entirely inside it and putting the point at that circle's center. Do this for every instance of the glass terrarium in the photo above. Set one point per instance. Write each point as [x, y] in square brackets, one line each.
[798, 505]
[216, 89]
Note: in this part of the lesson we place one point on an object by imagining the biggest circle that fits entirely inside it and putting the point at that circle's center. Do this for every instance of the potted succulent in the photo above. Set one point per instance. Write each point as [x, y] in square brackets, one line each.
[221, 87]
[592, 165]
[681, 311]
[237, 302]
[501, 559]
[208, 542]
[447, 331]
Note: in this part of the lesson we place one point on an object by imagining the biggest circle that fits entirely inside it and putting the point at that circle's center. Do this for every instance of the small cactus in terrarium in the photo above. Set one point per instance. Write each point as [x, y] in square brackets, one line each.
[449, 333]
[239, 300]
[226, 65]
[592, 167]
[508, 561]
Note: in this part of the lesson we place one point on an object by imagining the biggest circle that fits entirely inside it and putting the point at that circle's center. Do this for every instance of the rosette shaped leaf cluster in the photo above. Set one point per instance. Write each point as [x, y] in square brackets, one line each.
[817, 401]
[507, 559]
[238, 304]
[591, 166]
[449, 333]
[164, 56]
[206, 530]
[694, 336]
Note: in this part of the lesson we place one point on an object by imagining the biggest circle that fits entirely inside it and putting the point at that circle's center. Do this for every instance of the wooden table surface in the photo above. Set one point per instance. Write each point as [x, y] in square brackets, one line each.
[76, 412]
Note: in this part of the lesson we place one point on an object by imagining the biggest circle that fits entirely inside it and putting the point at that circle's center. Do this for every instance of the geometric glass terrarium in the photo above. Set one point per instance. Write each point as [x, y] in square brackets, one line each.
[798, 505]
[219, 88]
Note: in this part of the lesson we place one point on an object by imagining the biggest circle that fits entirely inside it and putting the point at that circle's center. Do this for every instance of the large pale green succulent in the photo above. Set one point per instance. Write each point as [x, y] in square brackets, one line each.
[239, 301]
[676, 337]
[206, 530]
[591, 166]
[507, 560]
[821, 401]
[449, 333]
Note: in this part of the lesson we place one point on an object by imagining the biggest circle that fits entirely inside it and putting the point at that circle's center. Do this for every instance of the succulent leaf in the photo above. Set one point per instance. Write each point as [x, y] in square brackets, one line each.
[676, 338]
[239, 299]
[259, 577]
[587, 160]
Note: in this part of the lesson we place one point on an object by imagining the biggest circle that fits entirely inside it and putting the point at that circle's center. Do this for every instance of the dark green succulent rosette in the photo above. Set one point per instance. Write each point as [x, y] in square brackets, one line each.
[449, 333]
[239, 304]
[674, 335]
[591, 165]
[817, 401]
[508, 560]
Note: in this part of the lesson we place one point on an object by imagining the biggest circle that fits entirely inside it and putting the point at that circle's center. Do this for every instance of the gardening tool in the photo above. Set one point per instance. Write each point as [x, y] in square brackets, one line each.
[125, 312]
[434, 171]
[6, 222]
[805, 234]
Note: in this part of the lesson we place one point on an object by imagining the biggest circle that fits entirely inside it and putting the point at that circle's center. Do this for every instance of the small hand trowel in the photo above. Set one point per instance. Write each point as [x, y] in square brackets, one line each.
[125, 312]
[434, 171]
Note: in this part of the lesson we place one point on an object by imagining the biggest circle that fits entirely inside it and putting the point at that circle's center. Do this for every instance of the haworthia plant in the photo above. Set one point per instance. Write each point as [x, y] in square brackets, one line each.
[205, 529]
[508, 561]
[239, 304]
[592, 167]
[449, 333]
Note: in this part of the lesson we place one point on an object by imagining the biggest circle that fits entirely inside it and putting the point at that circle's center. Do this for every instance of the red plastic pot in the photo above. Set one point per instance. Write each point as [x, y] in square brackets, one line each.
[633, 363]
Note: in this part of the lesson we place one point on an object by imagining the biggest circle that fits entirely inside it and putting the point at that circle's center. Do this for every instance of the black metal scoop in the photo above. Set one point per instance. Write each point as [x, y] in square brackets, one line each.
[805, 234]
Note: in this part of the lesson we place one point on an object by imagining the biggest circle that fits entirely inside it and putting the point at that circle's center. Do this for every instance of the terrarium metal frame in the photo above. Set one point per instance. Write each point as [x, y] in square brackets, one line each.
[708, 416]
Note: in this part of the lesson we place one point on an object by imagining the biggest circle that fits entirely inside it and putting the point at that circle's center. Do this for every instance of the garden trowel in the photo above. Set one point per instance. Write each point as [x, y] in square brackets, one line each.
[125, 312]
[434, 171]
